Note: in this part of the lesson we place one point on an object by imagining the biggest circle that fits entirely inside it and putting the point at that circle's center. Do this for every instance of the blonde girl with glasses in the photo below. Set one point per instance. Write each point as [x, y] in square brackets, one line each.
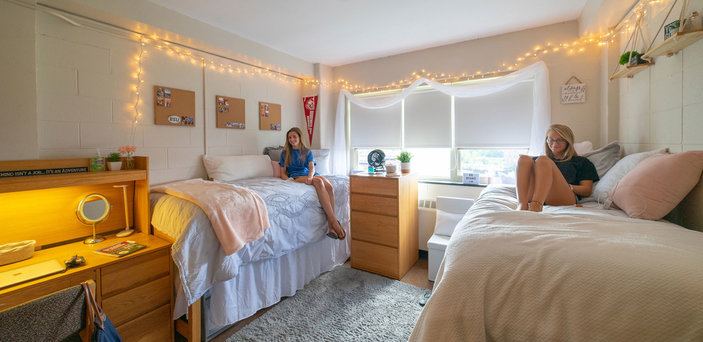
[561, 177]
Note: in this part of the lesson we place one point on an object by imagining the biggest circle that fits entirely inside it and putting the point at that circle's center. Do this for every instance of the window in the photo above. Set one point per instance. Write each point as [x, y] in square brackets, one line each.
[448, 136]
[495, 166]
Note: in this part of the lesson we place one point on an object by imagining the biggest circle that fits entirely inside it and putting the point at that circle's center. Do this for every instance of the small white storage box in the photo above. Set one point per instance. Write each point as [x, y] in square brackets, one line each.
[450, 210]
[436, 246]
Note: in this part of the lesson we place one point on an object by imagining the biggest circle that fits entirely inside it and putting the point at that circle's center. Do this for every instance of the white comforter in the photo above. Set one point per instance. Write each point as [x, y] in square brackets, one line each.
[567, 274]
[295, 215]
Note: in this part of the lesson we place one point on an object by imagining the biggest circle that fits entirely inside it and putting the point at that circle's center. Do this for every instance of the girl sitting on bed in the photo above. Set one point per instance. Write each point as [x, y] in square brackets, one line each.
[559, 178]
[297, 163]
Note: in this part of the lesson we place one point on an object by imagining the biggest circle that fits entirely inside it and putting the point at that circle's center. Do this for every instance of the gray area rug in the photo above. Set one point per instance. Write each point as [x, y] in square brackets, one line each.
[344, 304]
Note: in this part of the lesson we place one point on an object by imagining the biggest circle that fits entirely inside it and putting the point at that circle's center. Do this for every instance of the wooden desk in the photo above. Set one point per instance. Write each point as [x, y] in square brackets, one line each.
[134, 290]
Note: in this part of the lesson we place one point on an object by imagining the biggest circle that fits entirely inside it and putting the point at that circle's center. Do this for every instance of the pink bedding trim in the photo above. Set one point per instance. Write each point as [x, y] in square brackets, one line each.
[237, 215]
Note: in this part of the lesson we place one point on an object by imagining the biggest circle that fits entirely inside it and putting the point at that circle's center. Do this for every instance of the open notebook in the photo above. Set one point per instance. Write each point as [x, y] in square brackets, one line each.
[25, 273]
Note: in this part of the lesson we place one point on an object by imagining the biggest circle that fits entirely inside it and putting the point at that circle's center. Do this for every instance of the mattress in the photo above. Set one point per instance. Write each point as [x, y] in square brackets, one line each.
[296, 219]
[567, 274]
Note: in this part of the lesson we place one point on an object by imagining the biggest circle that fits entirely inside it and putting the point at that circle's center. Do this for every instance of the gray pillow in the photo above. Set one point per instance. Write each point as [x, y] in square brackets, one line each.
[604, 158]
[274, 153]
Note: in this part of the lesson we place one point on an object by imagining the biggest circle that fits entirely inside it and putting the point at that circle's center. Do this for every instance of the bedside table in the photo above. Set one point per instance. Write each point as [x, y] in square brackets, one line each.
[384, 223]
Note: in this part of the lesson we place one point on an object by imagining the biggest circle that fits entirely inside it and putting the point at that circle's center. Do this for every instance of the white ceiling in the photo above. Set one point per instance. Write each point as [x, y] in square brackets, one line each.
[337, 32]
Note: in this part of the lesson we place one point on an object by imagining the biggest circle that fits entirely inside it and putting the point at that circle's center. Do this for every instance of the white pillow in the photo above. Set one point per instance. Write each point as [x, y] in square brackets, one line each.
[230, 168]
[603, 189]
[583, 147]
[322, 161]
[450, 210]
[445, 222]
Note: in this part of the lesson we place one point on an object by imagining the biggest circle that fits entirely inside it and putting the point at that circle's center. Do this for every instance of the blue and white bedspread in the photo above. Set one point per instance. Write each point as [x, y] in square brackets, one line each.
[296, 218]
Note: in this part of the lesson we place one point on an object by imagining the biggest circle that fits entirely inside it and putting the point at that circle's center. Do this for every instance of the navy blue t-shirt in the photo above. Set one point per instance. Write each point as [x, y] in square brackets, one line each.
[576, 169]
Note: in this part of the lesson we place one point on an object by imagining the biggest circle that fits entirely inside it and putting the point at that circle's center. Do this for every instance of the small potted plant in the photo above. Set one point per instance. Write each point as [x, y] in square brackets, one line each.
[114, 162]
[633, 57]
[404, 158]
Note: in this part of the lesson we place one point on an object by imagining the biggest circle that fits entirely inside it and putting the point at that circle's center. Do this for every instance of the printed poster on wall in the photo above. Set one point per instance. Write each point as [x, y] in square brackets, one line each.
[174, 107]
[310, 108]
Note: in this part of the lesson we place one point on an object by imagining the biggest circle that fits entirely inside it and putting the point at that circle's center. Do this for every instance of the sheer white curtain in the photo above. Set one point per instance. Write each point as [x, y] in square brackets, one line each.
[541, 106]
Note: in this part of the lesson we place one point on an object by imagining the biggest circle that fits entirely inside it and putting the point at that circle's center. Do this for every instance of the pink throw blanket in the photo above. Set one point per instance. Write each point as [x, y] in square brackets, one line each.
[237, 215]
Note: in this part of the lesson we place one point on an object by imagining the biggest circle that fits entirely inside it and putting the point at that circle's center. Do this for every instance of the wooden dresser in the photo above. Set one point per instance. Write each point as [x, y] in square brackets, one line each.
[135, 290]
[384, 223]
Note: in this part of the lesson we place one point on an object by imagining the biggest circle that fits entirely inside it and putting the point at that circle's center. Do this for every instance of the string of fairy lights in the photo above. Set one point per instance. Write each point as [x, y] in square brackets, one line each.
[227, 65]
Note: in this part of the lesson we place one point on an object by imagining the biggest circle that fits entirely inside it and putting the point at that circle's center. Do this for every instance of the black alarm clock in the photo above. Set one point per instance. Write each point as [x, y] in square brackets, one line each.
[376, 160]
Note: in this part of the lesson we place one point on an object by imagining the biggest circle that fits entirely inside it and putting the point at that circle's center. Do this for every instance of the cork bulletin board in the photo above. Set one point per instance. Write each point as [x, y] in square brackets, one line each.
[174, 107]
[230, 112]
[269, 116]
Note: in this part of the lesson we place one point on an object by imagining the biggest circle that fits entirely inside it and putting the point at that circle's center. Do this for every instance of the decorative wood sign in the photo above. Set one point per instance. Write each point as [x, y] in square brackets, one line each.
[174, 107]
[574, 92]
[269, 116]
[230, 112]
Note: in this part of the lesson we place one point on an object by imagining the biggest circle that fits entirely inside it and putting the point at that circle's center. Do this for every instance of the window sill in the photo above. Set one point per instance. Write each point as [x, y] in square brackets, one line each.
[450, 183]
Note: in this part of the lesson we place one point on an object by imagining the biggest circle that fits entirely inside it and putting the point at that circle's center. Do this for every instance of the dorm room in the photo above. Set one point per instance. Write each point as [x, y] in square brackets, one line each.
[183, 87]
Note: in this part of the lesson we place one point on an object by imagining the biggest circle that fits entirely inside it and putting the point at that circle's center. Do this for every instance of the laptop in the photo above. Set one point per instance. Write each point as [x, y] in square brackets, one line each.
[30, 272]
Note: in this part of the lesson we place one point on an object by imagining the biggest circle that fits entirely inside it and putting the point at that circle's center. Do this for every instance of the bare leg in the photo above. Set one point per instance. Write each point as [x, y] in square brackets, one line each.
[525, 180]
[326, 203]
[550, 186]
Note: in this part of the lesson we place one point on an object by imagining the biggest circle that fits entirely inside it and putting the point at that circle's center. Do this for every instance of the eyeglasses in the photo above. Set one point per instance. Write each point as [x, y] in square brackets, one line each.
[557, 141]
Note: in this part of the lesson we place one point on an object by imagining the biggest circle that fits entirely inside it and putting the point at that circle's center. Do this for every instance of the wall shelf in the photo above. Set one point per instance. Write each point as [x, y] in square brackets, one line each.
[675, 43]
[70, 179]
[630, 70]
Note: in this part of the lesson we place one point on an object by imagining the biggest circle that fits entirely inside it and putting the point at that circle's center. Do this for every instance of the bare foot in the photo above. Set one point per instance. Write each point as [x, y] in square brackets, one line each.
[336, 231]
[522, 206]
[535, 206]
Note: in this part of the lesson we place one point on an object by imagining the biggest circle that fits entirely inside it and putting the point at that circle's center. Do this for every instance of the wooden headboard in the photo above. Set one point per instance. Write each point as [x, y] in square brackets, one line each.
[43, 207]
[689, 213]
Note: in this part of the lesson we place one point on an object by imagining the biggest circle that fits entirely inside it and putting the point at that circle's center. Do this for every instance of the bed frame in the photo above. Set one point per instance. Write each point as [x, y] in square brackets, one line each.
[689, 213]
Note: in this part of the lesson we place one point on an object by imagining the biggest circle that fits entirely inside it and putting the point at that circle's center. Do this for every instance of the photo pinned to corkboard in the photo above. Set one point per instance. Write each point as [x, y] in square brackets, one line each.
[174, 107]
[230, 112]
[269, 116]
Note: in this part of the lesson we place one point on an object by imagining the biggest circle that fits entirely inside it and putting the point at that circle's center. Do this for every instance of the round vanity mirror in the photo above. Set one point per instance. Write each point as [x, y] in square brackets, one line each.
[92, 210]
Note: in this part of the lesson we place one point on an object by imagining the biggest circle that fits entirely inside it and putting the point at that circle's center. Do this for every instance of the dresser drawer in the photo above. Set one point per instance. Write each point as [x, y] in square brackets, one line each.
[374, 185]
[130, 273]
[374, 204]
[154, 326]
[375, 258]
[136, 302]
[379, 229]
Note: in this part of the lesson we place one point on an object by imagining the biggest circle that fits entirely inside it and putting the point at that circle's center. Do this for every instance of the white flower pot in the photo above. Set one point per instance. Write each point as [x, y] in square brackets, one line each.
[114, 166]
[405, 167]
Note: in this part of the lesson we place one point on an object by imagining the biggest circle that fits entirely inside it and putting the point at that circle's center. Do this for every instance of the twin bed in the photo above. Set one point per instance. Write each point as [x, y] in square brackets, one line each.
[228, 288]
[572, 273]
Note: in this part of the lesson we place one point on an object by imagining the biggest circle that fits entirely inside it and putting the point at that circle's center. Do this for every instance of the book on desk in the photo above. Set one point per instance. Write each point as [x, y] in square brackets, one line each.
[120, 249]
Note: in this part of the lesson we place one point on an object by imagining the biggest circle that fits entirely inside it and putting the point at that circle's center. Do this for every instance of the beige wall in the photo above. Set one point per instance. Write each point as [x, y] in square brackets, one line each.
[662, 106]
[487, 54]
[83, 95]
[18, 109]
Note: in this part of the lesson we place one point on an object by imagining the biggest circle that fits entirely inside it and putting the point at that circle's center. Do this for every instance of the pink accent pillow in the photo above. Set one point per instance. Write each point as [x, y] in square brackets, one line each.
[276, 169]
[657, 184]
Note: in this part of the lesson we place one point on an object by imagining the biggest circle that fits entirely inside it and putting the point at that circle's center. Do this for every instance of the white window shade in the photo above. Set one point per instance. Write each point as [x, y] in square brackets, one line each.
[375, 128]
[428, 120]
[502, 119]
